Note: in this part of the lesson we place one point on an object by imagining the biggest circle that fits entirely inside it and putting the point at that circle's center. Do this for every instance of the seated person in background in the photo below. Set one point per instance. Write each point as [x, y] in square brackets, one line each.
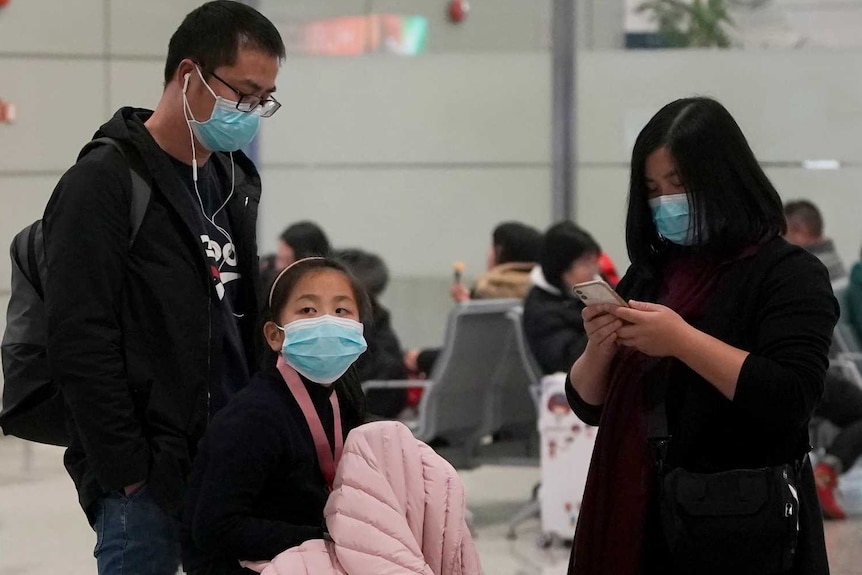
[805, 229]
[552, 314]
[841, 405]
[513, 252]
[842, 399]
[383, 360]
[297, 242]
[267, 461]
[511, 257]
[268, 271]
[854, 299]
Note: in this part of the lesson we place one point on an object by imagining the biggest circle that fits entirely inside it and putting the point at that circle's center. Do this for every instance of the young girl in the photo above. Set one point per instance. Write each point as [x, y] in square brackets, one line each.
[265, 467]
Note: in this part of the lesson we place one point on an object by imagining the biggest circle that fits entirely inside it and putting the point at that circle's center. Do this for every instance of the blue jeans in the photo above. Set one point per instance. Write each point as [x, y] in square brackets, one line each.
[134, 536]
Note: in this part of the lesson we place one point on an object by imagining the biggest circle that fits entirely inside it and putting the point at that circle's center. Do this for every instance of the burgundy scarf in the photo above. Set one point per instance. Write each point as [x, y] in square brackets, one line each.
[610, 533]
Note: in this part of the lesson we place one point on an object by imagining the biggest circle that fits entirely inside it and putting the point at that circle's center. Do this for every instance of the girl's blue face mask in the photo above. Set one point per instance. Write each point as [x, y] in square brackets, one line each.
[672, 218]
[323, 348]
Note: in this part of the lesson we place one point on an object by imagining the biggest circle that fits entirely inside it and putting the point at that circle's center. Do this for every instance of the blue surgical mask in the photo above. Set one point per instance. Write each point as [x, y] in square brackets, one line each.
[323, 348]
[672, 218]
[228, 129]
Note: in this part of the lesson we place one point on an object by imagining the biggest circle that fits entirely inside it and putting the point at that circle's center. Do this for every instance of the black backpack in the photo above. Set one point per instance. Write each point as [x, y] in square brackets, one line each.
[33, 404]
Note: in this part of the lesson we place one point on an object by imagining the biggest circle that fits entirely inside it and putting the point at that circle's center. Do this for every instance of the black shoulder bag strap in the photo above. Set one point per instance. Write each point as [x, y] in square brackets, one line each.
[658, 435]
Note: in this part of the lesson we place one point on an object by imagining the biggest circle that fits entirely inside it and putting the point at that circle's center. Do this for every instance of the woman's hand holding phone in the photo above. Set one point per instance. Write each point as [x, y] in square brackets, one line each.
[601, 327]
[654, 330]
[590, 374]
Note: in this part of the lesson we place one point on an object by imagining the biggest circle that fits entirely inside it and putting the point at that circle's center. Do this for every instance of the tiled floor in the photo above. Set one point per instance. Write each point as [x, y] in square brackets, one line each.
[42, 530]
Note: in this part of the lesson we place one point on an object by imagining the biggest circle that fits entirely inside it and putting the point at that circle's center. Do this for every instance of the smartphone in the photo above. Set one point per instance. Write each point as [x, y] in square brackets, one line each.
[598, 291]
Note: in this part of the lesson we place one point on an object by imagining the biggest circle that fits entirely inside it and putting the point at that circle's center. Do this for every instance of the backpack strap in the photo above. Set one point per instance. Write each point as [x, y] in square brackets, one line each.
[32, 263]
[141, 187]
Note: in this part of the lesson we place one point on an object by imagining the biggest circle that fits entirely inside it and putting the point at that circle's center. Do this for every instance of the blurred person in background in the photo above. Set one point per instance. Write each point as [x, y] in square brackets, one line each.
[854, 299]
[842, 398]
[383, 360]
[511, 257]
[298, 241]
[553, 325]
[805, 229]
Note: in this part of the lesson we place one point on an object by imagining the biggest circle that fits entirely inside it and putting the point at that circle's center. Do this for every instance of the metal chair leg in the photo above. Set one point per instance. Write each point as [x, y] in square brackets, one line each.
[528, 511]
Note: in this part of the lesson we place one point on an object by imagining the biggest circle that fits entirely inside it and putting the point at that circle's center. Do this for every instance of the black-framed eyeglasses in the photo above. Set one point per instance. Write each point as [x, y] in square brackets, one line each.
[250, 102]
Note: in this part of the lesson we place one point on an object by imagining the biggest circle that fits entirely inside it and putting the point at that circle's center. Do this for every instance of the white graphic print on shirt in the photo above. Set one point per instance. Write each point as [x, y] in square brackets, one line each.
[224, 258]
[223, 265]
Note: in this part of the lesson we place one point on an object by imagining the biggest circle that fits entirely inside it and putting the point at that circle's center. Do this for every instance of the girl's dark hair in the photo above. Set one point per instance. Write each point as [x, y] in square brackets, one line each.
[731, 198]
[213, 34]
[516, 242]
[307, 240]
[562, 245]
[284, 287]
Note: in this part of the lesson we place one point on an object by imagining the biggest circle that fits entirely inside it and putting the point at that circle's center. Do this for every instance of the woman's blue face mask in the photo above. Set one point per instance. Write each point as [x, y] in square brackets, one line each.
[672, 217]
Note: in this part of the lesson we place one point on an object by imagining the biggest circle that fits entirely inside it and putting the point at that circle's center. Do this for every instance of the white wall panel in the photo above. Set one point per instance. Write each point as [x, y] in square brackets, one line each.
[600, 205]
[144, 28]
[419, 221]
[433, 109]
[60, 105]
[420, 307]
[59, 27]
[138, 84]
[792, 105]
[281, 12]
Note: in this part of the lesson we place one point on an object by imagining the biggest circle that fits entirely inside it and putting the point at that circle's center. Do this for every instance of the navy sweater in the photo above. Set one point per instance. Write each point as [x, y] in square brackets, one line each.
[257, 488]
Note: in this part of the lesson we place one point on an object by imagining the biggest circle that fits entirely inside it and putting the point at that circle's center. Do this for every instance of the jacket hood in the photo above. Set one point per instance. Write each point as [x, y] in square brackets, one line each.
[127, 125]
[537, 278]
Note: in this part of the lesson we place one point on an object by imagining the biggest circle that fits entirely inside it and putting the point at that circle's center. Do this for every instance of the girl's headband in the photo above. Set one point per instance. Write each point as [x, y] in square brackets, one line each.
[278, 277]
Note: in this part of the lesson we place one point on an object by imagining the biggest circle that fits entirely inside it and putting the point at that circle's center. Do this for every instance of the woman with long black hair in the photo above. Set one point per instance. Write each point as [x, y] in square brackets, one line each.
[703, 387]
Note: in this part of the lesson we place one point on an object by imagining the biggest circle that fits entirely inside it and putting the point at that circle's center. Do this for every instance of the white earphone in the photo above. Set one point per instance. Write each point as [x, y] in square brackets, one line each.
[210, 219]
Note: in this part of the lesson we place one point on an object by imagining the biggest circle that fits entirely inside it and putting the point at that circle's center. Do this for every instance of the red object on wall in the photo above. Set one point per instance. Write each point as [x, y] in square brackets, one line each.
[458, 10]
[7, 111]
[4, 3]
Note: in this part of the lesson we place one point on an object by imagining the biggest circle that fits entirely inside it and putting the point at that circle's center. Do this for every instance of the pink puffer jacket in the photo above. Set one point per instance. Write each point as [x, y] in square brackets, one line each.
[397, 507]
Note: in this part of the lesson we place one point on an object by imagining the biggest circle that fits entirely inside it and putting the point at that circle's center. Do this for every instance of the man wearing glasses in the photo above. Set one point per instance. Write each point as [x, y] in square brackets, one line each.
[151, 332]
